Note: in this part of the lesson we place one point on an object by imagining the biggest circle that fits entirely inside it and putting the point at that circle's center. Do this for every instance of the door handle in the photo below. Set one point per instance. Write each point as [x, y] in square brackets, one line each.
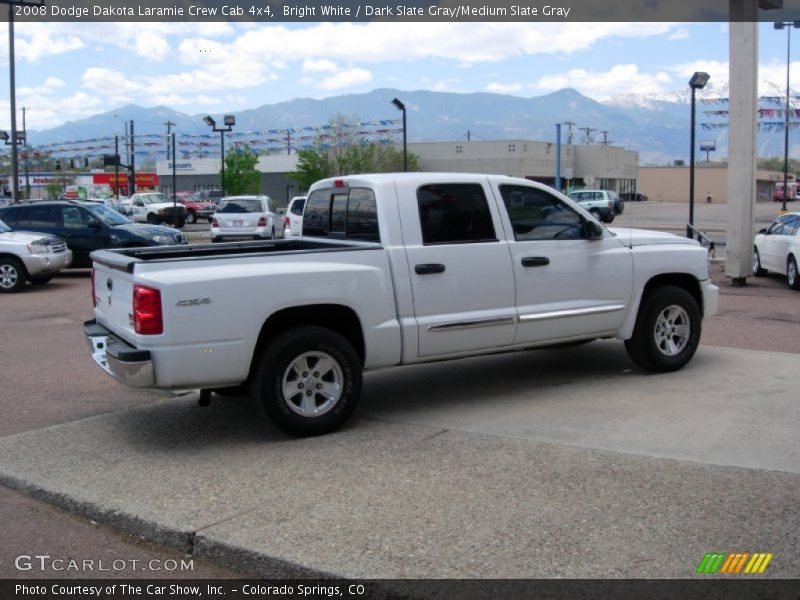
[429, 269]
[535, 261]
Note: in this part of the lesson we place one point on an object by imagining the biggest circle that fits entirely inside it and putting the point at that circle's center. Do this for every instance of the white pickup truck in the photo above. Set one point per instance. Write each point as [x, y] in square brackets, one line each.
[392, 269]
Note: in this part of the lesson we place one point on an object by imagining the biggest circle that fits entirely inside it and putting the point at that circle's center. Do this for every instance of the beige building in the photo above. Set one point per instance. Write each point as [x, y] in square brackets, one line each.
[607, 167]
[671, 184]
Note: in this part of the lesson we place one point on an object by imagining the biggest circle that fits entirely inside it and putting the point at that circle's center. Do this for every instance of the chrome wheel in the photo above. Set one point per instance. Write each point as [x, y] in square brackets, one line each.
[791, 274]
[672, 330]
[312, 384]
[9, 276]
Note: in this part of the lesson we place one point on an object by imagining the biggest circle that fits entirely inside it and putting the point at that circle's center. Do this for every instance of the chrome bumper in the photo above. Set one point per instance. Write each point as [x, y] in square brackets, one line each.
[119, 359]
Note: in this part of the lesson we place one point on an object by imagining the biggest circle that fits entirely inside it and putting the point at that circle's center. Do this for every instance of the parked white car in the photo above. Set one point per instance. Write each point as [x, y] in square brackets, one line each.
[29, 256]
[777, 249]
[293, 221]
[156, 208]
[246, 217]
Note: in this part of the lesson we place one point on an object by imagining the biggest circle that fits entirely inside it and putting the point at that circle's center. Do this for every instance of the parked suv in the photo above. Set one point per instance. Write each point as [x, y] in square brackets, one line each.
[598, 202]
[293, 222]
[31, 256]
[196, 207]
[86, 226]
[249, 217]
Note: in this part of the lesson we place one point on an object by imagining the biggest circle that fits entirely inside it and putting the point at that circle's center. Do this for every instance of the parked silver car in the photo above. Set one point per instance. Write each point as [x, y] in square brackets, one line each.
[29, 256]
[246, 217]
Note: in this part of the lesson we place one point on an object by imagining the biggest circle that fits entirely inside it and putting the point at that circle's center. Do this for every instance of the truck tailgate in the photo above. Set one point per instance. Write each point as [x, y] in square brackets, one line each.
[112, 290]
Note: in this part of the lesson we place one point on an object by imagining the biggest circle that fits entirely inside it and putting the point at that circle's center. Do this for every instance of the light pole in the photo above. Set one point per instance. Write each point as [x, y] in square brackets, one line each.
[697, 82]
[401, 106]
[788, 25]
[20, 141]
[229, 121]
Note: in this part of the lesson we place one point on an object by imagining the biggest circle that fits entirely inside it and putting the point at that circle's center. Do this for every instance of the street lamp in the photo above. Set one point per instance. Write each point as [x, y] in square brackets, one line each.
[401, 106]
[229, 121]
[697, 82]
[788, 25]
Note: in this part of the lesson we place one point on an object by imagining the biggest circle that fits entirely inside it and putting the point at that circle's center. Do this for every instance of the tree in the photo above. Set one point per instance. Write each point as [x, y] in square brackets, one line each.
[312, 165]
[241, 175]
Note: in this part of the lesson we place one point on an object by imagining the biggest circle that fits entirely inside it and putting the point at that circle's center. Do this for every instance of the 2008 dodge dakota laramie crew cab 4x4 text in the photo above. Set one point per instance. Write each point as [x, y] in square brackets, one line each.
[392, 269]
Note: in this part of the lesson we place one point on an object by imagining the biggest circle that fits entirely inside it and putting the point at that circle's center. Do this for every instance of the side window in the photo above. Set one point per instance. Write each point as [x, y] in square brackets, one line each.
[454, 213]
[344, 214]
[792, 225]
[13, 216]
[777, 227]
[74, 217]
[297, 207]
[538, 215]
[43, 216]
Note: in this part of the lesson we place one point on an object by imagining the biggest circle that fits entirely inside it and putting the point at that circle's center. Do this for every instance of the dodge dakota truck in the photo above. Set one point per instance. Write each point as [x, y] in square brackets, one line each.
[392, 269]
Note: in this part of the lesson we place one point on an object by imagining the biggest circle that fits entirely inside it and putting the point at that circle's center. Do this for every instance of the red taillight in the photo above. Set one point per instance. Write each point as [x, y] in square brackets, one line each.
[262, 222]
[214, 223]
[94, 297]
[338, 183]
[147, 318]
[286, 222]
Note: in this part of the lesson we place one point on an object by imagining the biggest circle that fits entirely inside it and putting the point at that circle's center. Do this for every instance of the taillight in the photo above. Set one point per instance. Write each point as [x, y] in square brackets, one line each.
[214, 223]
[147, 318]
[286, 222]
[262, 222]
[94, 296]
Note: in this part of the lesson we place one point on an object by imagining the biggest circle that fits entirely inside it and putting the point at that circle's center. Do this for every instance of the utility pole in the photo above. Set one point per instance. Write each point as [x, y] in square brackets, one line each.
[569, 125]
[27, 158]
[588, 131]
[605, 141]
[288, 141]
[132, 163]
[169, 125]
[116, 165]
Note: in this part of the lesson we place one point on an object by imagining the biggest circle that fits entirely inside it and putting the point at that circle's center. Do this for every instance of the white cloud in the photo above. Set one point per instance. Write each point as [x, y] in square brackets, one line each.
[321, 65]
[345, 79]
[599, 85]
[679, 34]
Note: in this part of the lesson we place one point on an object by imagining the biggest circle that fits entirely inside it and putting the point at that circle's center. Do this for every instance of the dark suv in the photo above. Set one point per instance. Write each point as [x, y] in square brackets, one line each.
[87, 226]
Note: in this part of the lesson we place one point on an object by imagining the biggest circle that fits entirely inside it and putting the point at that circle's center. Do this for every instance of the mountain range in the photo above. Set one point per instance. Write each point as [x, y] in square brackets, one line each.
[656, 125]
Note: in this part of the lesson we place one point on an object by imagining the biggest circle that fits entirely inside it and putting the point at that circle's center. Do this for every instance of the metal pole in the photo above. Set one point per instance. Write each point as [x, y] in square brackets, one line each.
[116, 164]
[174, 181]
[222, 147]
[690, 227]
[786, 124]
[12, 92]
[405, 146]
[27, 157]
[558, 156]
[132, 182]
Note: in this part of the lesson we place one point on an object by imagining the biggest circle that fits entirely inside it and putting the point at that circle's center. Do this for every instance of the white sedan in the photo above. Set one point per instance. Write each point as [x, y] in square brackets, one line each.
[777, 249]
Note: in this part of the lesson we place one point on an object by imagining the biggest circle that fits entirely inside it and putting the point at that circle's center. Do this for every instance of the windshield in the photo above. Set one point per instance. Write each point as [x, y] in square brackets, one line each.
[108, 215]
[154, 198]
[240, 205]
[4, 228]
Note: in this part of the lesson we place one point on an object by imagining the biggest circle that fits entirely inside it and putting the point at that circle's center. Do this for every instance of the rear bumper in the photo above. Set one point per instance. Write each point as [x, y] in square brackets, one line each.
[123, 362]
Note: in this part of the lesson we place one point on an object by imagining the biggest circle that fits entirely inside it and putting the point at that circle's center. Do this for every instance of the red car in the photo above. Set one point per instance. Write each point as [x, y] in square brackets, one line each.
[196, 208]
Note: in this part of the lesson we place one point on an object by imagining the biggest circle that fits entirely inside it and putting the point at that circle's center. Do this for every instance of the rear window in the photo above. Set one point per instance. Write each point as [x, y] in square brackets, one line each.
[346, 213]
[240, 206]
[297, 207]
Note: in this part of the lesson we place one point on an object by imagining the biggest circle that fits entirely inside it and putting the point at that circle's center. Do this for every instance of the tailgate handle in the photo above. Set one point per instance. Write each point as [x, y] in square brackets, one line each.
[429, 269]
[535, 261]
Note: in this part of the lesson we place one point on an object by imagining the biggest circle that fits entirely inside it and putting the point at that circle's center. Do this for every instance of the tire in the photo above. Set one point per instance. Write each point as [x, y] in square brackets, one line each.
[180, 224]
[758, 270]
[272, 234]
[12, 275]
[792, 276]
[278, 388]
[596, 214]
[215, 240]
[152, 219]
[671, 309]
[191, 218]
[233, 391]
[39, 280]
[610, 218]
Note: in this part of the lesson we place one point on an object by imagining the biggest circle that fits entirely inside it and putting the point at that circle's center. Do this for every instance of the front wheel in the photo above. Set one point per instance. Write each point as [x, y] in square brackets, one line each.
[667, 330]
[308, 381]
[758, 270]
[152, 219]
[12, 275]
[792, 278]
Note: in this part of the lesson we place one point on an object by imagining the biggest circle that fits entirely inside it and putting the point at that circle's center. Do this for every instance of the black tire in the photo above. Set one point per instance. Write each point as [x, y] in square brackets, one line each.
[215, 240]
[233, 391]
[272, 234]
[180, 224]
[792, 276]
[596, 214]
[276, 370]
[758, 270]
[610, 218]
[191, 217]
[39, 280]
[12, 275]
[152, 219]
[667, 308]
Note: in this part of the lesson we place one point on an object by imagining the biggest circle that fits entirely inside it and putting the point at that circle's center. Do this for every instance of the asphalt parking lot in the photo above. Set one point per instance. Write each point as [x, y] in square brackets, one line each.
[568, 463]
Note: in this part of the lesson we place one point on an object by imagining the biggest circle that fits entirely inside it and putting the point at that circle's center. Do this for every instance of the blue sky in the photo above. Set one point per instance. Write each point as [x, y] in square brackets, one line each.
[67, 71]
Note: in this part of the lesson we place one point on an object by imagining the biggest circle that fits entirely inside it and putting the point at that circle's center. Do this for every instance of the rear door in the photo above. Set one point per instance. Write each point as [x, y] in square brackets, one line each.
[461, 276]
[775, 245]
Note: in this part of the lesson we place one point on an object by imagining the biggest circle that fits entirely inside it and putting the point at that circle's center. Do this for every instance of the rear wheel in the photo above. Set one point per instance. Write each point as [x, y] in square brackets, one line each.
[152, 219]
[596, 214]
[758, 270]
[180, 224]
[667, 330]
[308, 381]
[191, 217]
[12, 275]
[792, 277]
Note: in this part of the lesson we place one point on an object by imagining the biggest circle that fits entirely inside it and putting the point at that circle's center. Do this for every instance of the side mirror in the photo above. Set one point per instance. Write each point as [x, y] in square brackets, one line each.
[94, 224]
[763, 230]
[594, 231]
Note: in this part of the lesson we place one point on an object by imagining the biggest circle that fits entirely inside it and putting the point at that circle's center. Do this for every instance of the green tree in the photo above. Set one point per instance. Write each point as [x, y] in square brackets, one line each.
[241, 175]
[313, 164]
